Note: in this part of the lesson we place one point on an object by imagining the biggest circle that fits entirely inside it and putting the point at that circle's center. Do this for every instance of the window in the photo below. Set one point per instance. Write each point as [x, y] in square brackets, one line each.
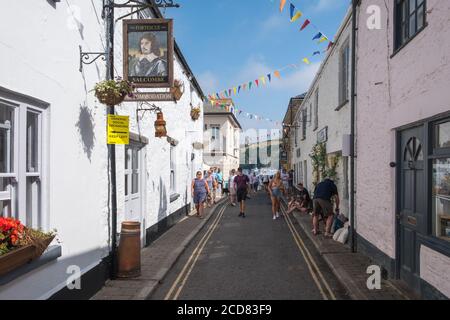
[215, 134]
[305, 173]
[316, 110]
[304, 115]
[344, 74]
[409, 20]
[21, 158]
[224, 147]
[172, 170]
[441, 181]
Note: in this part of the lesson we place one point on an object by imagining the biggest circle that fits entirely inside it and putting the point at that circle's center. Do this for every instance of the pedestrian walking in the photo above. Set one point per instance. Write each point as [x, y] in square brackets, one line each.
[200, 191]
[210, 181]
[241, 183]
[232, 187]
[276, 186]
[322, 205]
[219, 177]
[254, 182]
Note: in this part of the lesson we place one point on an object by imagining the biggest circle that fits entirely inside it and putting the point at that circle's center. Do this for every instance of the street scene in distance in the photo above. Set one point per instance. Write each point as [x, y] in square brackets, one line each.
[225, 150]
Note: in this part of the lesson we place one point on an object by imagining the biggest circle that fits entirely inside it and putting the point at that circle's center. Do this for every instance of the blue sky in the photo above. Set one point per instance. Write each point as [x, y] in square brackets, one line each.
[230, 42]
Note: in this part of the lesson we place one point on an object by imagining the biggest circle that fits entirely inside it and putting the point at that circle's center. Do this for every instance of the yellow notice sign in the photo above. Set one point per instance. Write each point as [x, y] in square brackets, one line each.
[118, 129]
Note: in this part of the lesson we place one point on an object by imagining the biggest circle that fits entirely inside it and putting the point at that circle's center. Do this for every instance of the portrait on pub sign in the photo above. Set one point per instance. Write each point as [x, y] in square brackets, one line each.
[148, 52]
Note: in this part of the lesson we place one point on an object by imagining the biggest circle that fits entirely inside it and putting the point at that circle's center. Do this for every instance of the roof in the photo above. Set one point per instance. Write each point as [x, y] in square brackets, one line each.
[211, 110]
[294, 105]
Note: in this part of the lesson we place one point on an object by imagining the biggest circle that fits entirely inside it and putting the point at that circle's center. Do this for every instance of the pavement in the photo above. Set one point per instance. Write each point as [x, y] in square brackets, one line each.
[350, 268]
[157, 259]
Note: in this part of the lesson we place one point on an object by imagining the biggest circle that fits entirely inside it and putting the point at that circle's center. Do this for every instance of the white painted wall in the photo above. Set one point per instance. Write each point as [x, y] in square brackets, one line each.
[338, 122]
[392, 92]
[41, 59]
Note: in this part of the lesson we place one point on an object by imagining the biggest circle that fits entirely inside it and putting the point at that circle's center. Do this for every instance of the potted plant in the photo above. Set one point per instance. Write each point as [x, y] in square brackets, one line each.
[20, 245]
[195, 113]
[113, 92]
[177, 90]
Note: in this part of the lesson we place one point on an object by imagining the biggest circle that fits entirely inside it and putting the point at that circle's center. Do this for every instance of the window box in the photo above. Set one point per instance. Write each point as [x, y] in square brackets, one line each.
[16, 258]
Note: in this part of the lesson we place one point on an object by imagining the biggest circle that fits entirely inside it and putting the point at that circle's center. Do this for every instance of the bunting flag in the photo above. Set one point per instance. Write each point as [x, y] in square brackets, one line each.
[294, 16]
[257, 82]
[323, 39]
[277, 74]
[330, 45]
[244, 85]
[305, 24]
[229, 92]
[318, 36]
[282, 4]
[270, 77]
[250, 85]
[316, 53]
[263, 79]
[234, 90]
[239, 89]
[306, 60]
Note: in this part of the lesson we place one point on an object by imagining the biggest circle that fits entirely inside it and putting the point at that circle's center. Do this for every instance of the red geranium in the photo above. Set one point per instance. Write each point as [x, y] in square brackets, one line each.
[11, 231]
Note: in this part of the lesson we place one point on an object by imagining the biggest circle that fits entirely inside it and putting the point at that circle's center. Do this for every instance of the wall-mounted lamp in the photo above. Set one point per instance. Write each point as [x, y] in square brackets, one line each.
[160, 123]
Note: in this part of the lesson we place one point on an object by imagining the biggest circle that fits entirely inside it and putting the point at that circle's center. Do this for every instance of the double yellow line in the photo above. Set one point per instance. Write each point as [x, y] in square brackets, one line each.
[316, 274]
[181, 280]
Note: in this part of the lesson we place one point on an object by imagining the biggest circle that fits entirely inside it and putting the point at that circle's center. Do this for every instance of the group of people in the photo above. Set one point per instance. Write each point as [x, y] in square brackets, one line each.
[239, 185]
[205, 188]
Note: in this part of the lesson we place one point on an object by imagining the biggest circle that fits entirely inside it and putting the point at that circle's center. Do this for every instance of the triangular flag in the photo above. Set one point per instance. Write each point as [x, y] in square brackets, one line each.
[305, 24]
[239, 89]
[318, 36]
[294, 17]
[292, 10]
[282, 4]
[229, 92]
[277, 74]
[240, 111]
[270, 77]
[263, 79]
[323, 39]
[218, 97]
[235, 90]
[250, 85]
[226, 93]
[244, 86]
[316, 53]
[306, 60]
[257, 82]
[330, 45]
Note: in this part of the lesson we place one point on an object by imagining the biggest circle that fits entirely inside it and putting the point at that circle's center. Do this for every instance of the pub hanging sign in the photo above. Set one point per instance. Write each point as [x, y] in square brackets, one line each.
[148, 52]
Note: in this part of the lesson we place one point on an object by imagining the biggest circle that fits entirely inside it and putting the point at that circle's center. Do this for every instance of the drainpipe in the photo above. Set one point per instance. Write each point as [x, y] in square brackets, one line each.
[112, 147]
[355, 4]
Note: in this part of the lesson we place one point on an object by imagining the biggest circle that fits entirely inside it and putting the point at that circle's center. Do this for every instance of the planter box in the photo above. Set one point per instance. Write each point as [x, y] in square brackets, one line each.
[16, 258]
[177, 94]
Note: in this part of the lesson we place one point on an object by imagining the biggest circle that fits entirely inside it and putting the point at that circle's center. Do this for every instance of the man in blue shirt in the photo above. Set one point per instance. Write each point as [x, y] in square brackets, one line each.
[322, 205]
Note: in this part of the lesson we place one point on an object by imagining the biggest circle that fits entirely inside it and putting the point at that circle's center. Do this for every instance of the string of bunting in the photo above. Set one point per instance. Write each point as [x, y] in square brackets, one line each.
[262, 80]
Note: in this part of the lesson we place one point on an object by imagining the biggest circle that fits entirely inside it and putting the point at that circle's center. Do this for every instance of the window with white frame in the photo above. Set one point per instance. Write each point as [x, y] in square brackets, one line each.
[316, 110]
[172, 169]
[215, 137]
[21, 163]
[344, 73]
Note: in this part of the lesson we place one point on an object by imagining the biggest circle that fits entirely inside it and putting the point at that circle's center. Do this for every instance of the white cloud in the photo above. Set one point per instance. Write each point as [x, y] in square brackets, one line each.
[208, 81]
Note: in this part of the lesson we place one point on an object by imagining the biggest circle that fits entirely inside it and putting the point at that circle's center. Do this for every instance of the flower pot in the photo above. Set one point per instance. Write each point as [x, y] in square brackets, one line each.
[176, 91]
[40, 245]
[195, 114]
[16, 258]
[110, 99]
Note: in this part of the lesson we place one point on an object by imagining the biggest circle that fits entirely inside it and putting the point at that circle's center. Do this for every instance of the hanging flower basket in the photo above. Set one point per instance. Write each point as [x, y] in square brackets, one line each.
[177, 89]
[195, 113]
[113, 92]
[20, 245]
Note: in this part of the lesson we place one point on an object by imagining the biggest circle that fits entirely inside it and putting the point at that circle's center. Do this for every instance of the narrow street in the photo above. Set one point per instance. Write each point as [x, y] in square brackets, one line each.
[250, 258]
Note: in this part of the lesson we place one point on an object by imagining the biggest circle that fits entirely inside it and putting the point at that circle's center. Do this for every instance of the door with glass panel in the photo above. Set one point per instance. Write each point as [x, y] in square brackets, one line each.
[133, 182]
[412, 215]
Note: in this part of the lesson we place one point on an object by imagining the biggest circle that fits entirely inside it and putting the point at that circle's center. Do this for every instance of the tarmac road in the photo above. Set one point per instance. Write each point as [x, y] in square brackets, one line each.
[252, 258]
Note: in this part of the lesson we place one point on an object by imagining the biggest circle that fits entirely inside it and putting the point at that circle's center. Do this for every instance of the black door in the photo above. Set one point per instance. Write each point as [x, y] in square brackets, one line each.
[412, 202]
